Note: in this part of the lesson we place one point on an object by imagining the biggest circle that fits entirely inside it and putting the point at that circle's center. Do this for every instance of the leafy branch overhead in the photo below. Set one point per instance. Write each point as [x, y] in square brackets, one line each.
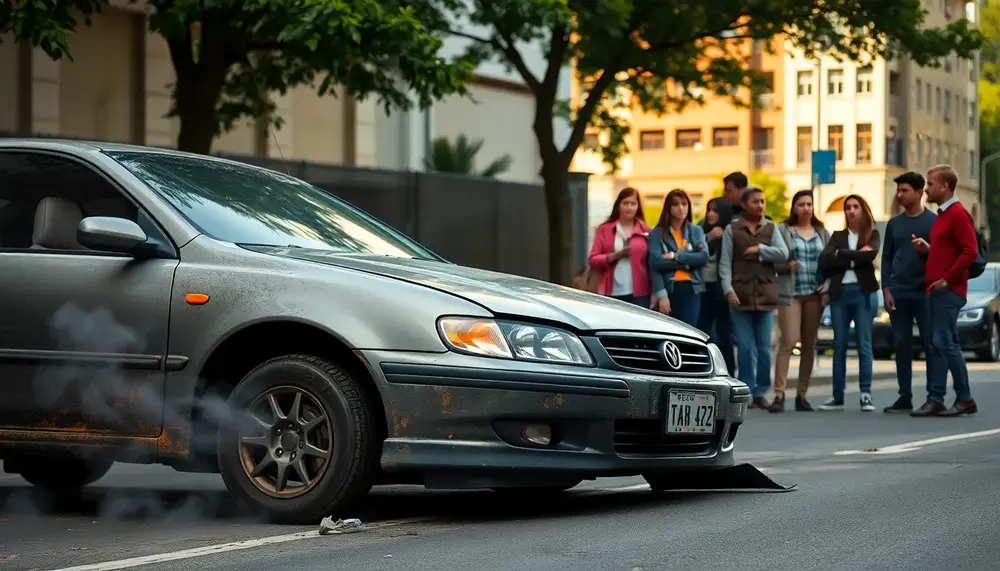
[230, 56]
[668, 52]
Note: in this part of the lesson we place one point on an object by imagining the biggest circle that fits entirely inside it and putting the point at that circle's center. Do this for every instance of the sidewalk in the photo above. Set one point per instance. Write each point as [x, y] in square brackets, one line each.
[882, 369]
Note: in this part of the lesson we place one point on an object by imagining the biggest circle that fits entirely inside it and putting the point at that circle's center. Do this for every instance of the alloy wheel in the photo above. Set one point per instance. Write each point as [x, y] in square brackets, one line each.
[287, 442]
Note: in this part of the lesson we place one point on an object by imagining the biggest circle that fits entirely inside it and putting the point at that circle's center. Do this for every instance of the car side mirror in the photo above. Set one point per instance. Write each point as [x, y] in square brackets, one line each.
[109, 234]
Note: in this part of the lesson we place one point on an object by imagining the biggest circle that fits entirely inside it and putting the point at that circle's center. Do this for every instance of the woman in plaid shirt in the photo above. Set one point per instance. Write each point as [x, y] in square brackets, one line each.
[801, 298]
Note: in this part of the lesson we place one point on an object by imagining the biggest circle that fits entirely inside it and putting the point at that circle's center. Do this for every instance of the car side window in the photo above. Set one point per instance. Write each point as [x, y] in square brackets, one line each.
[43, 198]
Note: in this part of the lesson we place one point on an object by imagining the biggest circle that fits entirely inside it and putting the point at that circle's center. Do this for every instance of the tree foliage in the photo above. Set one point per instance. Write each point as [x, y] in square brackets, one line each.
[989, 110]
[775, 194]
[666, 53]
[230, 55]
[460, 158]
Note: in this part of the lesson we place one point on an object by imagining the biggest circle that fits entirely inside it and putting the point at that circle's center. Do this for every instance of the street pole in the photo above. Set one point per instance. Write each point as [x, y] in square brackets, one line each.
[982, 184]
[817, 202]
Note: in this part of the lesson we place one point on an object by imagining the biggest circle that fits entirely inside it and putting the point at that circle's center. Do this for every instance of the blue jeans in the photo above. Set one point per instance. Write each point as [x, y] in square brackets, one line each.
[715, 320]
[852, 305]
[752, 332]
[685, 303]
[945, 350]
[909, 309]
[642, 301]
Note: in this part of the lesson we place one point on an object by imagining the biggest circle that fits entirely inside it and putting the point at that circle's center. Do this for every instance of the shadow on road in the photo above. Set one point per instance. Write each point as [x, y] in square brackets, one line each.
[146, 505]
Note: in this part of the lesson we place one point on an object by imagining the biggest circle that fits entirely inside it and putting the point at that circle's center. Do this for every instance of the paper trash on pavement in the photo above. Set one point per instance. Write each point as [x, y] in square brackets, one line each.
[330, 527]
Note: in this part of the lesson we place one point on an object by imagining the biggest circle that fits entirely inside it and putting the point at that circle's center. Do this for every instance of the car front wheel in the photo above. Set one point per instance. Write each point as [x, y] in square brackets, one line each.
[992, 353]
[302, 445]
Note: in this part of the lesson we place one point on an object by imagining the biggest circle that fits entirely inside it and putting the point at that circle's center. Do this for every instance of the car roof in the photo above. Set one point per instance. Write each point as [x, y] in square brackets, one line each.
[87, 146]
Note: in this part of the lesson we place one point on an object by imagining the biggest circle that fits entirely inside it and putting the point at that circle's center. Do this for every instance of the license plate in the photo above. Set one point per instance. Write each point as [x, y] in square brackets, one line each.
[690, 412]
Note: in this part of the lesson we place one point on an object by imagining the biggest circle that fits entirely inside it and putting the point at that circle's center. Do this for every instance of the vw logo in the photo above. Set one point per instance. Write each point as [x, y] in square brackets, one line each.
[673, 356]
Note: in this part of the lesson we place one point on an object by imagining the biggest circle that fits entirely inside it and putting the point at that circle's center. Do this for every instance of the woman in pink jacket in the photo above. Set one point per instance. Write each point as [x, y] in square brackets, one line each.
[619, 252]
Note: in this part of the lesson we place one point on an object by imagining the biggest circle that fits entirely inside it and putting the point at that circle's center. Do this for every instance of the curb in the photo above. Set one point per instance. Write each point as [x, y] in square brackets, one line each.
[826, 380]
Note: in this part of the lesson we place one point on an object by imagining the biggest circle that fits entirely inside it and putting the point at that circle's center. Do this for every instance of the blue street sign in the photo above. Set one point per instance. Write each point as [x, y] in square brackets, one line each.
[824, 167]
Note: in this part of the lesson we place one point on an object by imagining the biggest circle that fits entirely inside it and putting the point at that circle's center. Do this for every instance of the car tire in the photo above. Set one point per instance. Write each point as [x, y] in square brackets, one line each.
[347, 435]
[63, 474]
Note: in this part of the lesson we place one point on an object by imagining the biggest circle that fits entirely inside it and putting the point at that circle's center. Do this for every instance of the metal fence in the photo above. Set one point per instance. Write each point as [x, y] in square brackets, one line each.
[471, 221]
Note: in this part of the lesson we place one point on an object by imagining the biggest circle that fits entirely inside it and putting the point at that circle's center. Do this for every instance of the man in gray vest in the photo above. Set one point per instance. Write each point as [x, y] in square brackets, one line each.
[750, 248]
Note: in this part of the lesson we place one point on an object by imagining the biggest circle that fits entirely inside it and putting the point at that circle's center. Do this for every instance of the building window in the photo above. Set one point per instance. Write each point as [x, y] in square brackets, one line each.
[726, 137]
[930, 102]
[835, 82]
[972, 163]
[972, 114]
[919, 154]
[947, 105]
[688, 138]
[864, 143]
[652, 140]
[803, 145]
[920, 94]
[972, 70]
[945, 153]
[591, 142]
[937, 99]
[805, 79]
[763, 147]
[835, 140]
[865, 79]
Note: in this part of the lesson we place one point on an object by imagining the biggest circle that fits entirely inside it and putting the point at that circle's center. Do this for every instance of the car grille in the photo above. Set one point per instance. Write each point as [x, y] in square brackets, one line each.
[643, 437]
[647, 354]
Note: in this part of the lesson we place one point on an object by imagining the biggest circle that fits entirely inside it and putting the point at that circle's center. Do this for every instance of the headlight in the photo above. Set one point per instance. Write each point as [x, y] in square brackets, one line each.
[883, 316]
[970, 315]
[718, 361]
[504, 340]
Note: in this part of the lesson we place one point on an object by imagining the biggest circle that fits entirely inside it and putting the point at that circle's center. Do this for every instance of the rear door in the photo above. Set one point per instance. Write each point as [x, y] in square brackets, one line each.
[83, 334]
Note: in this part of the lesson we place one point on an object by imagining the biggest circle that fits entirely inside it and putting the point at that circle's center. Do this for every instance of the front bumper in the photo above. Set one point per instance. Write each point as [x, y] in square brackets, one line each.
[457, 414]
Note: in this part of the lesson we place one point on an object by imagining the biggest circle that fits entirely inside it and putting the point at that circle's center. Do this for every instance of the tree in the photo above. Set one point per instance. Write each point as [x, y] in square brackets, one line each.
[659, 51]
[775, 194]
[989, 112]
[229, 55]
[460, 158]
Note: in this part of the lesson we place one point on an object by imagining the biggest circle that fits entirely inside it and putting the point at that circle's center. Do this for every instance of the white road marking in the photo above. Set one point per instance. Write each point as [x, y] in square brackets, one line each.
[223, 548]
[911, 446]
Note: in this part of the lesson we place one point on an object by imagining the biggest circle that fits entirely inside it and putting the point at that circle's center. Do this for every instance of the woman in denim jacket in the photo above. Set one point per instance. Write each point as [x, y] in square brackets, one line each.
[677, 253]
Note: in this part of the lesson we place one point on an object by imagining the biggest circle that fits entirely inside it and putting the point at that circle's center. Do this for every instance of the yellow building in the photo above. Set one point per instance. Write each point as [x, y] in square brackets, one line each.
[693, 149]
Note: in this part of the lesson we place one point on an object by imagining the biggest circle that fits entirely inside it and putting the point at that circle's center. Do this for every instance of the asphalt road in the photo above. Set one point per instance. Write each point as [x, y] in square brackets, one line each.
[928, 505]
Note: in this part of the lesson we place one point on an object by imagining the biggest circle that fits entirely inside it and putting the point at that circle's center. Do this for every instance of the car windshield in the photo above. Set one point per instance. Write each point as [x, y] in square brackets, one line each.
[985, 282]
[255, 206]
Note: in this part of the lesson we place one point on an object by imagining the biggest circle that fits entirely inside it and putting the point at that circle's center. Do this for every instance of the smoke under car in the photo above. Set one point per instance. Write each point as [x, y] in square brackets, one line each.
[219, 317]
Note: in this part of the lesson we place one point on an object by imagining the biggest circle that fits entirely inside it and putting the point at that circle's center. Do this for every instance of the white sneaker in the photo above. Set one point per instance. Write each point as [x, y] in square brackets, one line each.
[832, 404]
[867, 404]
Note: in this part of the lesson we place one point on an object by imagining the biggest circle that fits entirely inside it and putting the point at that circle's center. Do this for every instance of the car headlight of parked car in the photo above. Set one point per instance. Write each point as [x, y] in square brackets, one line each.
[970, 315]
[883, 316]
[718, 361]
[510, 340]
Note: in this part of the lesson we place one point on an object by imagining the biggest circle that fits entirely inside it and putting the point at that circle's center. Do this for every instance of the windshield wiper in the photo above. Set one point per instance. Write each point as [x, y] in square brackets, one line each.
[252, 245]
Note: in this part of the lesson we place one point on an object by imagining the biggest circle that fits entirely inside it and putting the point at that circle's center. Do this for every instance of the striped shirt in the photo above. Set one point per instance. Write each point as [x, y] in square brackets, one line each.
[807, 254]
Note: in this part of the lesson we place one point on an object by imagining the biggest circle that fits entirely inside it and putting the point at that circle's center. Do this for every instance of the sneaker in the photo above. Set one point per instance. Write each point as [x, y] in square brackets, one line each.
[902, 404]
[867, 404]
[802, 405]
[832, 404]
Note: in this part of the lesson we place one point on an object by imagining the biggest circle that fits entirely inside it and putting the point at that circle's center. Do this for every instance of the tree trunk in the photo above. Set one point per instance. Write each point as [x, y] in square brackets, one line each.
[197, 92]
[560, 215]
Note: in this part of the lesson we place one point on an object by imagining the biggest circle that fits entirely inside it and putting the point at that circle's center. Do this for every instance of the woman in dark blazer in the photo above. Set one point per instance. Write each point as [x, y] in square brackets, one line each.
[848, 265]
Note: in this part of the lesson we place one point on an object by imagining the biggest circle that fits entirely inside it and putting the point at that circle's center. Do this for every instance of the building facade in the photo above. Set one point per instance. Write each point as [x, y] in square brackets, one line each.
[695, 148]
[118, 89]
[882, 118]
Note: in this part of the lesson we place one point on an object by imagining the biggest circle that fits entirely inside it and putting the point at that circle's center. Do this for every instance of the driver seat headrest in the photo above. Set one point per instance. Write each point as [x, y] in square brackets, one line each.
[56, 222]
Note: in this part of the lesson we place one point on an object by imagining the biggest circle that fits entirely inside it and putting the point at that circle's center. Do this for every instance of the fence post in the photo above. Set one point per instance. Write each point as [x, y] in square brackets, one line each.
[579, 197]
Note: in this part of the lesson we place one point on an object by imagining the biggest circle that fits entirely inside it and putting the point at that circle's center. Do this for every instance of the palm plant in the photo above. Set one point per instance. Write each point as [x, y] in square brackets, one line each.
[460, 158]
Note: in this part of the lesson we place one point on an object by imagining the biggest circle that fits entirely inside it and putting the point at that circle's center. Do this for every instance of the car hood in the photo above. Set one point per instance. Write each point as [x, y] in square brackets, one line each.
[504, 294]
[977, 299]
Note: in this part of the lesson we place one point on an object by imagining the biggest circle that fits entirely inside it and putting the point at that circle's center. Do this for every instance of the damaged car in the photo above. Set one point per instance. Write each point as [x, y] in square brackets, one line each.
[186, 310]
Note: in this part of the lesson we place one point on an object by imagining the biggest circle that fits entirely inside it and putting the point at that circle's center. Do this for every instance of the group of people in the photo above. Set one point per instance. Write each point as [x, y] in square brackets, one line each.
[730, 273]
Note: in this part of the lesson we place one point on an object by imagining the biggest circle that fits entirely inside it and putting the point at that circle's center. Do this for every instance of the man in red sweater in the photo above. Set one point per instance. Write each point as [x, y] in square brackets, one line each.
[952, 250]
